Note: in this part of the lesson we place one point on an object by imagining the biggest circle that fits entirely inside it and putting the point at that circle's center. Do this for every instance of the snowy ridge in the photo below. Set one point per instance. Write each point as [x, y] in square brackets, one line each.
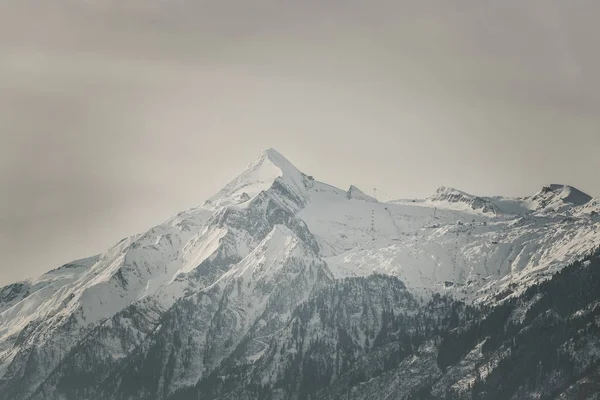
[49, 282]
[228, 275]
[255, 297]
[266, 260]
[558, 198]
[454, 198]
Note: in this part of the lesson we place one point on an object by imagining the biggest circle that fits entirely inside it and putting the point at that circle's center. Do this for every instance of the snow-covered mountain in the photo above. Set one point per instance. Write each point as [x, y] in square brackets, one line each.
[452, 197]
[245, 295]
[559, 197]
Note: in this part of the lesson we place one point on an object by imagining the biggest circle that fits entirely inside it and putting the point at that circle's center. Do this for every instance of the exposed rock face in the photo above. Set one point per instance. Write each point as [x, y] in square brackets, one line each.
[453, 196]
[283, 287]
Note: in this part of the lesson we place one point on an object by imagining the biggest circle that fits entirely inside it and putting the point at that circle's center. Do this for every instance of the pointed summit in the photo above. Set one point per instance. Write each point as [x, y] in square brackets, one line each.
[259, 176]
[357, 194]
[276, 159]
[274, 155]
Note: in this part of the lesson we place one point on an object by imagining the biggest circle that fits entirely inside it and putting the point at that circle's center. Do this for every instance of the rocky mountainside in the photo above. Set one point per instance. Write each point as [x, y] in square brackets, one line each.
[283, 287]
[456, 197]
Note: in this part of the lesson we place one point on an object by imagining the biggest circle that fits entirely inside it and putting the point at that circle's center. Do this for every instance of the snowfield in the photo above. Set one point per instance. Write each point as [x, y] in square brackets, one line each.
[273, 230]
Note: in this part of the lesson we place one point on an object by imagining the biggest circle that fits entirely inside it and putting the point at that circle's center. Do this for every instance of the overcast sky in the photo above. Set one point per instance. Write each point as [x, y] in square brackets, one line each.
[116, 114]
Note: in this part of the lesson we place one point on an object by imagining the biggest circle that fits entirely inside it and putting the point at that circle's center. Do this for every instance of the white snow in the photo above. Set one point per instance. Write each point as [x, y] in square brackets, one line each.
[446, 243]
[258, 176]
[264, 266]
[200, 249]
[436, 245]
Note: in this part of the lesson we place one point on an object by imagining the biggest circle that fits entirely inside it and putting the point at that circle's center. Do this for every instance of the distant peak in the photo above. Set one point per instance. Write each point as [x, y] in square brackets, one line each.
[451, 195]
[454, 196]
[560, 188]
[357, 194]
[551, 196]
[445, 193]
[443, 190]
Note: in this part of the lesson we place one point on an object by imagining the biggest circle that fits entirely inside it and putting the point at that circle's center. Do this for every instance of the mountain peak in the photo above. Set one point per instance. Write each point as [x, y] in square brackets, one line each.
[450, 195]
[444, 190]
[272, 154]
[277, 159]
[444, 193]
[558, 196]
[570, 194]
[259, 176]
[357, 194]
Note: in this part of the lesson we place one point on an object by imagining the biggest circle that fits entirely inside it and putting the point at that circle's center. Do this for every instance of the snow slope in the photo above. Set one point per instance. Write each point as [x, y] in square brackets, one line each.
[443, 244]
[256, 232]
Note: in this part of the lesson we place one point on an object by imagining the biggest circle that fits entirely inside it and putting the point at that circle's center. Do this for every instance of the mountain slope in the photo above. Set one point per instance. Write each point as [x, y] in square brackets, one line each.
[271, 273]
[251, 302]
[366, 338]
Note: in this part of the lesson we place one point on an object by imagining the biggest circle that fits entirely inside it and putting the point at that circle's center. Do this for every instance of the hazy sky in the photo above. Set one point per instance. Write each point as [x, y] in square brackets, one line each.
[116, 114]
